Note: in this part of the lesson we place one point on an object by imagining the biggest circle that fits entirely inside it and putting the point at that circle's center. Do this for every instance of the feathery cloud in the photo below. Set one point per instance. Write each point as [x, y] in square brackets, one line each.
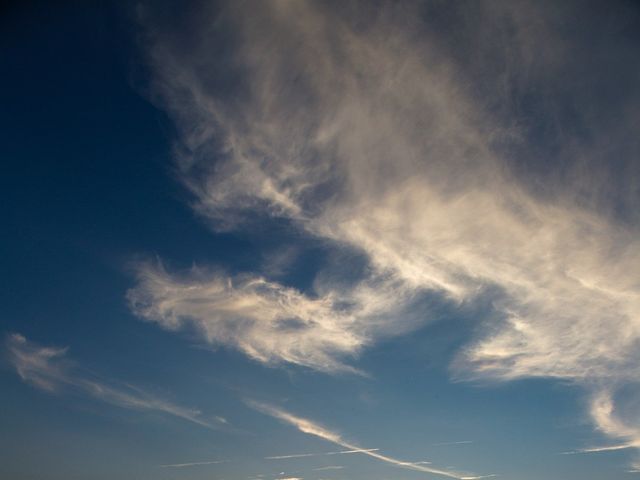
[48, 368]
[269, 322]
[365, 130]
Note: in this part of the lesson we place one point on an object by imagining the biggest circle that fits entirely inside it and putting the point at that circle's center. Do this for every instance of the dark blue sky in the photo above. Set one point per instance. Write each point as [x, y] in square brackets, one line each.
[236, 231]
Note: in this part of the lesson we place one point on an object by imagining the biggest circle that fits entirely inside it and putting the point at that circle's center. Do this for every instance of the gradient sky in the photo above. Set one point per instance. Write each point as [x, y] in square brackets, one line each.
[320, 240]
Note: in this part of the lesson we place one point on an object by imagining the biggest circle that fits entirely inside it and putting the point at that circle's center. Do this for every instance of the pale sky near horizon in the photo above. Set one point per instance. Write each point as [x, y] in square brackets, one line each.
[299, 240]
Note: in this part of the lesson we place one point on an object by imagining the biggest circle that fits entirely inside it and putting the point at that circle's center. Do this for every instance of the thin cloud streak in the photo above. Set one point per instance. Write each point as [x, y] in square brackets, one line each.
[610, 448]
[49, 369]
[193, 464]
[301, 455]
[463, 442]
[311, 428]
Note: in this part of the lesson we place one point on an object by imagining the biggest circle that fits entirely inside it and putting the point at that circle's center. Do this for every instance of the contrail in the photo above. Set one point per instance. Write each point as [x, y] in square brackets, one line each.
[193, 464]
[463, 442]
[342, 452]
[312, 428]
[610, 448]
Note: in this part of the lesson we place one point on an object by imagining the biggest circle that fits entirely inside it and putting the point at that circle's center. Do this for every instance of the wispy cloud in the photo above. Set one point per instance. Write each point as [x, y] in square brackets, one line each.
[269, 322]
[610, 422]
[368, 131]
[603, 412]
[608, 448]
[443, 444]
[192, 464]
[342, 452]
[311, 428]
[48, 368]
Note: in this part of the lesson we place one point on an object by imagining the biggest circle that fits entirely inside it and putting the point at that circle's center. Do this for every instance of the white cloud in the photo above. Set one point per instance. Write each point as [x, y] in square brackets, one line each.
[369, 134]
[609, 448]
[49, 369]
[329, 467]
[311, 428]
[192, 464]
[267, 321]
[617, 419]
[445, 444]
[301, 455]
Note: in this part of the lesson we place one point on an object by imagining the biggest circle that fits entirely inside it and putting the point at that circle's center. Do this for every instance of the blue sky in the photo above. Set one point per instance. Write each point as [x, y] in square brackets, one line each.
[337, 240]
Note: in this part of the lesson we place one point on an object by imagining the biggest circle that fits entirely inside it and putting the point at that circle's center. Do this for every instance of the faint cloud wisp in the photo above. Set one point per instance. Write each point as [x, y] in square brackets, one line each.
[49, 369]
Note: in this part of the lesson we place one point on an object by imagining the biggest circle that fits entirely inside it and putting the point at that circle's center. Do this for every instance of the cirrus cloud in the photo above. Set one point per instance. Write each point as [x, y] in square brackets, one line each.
[365, 128]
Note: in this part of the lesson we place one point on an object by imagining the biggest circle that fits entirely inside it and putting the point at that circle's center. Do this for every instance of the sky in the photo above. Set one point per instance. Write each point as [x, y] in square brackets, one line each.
[298, 240]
